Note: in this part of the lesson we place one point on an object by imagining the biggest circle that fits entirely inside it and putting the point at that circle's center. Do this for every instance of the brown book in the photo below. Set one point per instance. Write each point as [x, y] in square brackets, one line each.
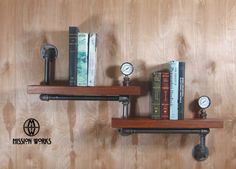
[165, 95]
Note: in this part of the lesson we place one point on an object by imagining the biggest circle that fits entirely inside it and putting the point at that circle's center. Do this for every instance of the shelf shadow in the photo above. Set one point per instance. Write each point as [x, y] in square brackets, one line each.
[194, 108]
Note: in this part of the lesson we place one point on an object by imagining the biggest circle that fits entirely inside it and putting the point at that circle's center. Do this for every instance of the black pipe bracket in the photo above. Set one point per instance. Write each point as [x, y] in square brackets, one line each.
[200, 151]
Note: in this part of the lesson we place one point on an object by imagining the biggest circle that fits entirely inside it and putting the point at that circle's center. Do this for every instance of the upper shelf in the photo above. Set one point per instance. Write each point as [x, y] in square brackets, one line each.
[171, 124]
[88, 91]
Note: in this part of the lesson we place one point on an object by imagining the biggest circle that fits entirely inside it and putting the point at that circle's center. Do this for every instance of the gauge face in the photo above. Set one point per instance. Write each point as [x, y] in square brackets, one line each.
[204, 102]
[127, 68]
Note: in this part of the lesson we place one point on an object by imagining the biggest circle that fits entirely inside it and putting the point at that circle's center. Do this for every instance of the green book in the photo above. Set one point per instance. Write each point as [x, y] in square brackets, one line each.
[156, 95]
[82, 63]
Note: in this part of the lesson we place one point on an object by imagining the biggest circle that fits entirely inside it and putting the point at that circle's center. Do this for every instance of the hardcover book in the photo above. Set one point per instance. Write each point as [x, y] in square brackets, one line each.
[73, 52]
[156, 95]
[165, 95]
[174, 87]
[181, 90]
[82, 64]
[92, 59]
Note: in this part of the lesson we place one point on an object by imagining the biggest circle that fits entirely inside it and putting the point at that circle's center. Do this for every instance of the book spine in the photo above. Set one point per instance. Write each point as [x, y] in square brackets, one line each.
[165, 95]
[181, 90]
[156, 95]
[73, 51]
[82, 64]
[92, 61]
[174, 87]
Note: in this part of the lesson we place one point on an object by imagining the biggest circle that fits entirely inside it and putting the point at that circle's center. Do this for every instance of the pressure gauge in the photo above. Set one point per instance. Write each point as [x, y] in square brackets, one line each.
[204, 102]
[126, 68]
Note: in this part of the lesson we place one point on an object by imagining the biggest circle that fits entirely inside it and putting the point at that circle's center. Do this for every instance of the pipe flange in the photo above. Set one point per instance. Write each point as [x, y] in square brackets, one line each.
[49, 51]
[200, 152]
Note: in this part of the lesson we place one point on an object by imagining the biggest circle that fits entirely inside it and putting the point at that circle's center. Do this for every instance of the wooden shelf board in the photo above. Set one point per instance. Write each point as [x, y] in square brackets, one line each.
[171, 124]
[81, 91]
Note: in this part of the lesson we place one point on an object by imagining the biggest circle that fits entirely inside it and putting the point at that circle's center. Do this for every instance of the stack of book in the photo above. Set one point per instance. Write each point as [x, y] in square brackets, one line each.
[168, 92]
[82, 57]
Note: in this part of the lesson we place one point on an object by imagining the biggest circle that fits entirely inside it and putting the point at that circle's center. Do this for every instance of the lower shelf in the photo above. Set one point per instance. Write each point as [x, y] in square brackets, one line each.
[187, 126]
[147, 123]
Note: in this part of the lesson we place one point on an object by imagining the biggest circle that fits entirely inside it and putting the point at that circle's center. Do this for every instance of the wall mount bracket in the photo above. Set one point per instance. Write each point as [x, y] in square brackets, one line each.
[123, 99]
[200, 151]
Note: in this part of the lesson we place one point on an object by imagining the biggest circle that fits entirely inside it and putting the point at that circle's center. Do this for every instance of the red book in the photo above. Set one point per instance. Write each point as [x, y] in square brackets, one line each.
[165, 95]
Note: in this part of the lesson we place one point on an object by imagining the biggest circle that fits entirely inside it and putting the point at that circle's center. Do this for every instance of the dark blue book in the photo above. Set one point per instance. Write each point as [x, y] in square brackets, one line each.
[73, 53]
[181, 90]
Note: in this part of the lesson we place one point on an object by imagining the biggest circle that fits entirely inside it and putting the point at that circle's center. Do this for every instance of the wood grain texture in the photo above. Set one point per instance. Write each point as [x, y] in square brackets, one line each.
[87, 91]
[149, 123]
[147, 33]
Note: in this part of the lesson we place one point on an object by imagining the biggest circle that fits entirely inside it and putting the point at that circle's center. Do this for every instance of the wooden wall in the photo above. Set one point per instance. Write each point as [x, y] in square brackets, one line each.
[147, 33]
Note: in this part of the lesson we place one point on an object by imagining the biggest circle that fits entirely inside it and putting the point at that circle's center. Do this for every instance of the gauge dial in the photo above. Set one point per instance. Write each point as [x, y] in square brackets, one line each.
[126, 68]
[204, 102]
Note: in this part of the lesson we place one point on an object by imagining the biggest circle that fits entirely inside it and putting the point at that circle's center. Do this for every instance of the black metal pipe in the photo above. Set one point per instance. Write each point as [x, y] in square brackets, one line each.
[164, 131]
[46, 70]
[49, 53]
[46, 97]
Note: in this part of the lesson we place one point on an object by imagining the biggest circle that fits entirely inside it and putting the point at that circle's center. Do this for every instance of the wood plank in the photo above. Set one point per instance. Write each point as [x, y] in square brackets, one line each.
[150, 123]
[89, 91]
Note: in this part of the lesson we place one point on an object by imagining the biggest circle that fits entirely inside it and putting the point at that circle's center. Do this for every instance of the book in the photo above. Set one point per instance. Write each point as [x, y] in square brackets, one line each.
[165, 95]
[181, 90]
[156, 95]
[73, 52]
[82, 63]
[174, 87]
[92, 61]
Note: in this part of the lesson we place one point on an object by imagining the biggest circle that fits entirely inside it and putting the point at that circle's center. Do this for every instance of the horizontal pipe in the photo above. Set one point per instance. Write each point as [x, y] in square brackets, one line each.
[46, 97]
[164, 131]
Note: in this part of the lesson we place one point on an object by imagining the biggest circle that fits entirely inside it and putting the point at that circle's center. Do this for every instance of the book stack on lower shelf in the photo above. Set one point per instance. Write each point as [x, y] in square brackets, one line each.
[167, 93]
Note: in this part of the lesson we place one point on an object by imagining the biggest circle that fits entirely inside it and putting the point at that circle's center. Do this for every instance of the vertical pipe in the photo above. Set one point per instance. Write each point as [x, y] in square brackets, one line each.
[203, 140]
[126, 81]
[125, 110]
[46, 71]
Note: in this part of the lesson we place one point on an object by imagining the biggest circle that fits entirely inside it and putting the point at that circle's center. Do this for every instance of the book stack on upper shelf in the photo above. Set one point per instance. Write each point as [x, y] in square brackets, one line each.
[82, 57]
[167, 95]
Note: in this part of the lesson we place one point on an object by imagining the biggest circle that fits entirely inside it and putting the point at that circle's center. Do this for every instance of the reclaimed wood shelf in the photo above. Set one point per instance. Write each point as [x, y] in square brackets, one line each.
[88, 91]
[147, 123]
